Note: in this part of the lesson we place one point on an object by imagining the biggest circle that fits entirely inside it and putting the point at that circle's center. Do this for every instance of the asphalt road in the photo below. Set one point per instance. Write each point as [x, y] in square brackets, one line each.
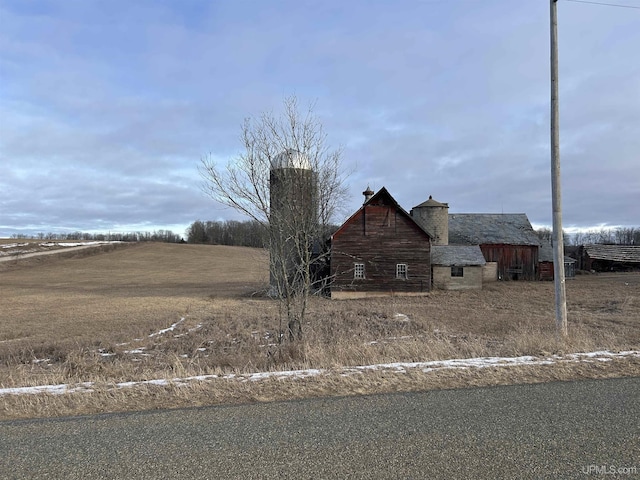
[557, 430]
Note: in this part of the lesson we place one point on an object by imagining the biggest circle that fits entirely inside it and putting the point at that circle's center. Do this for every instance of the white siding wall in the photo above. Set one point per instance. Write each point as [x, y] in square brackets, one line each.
[443, 280]
[490, 272]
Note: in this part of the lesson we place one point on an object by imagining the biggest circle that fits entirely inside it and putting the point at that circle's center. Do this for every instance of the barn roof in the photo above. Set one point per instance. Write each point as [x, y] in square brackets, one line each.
[381, 197]
[545, 254]
[614, 253]
[491, 228]
[457, 255]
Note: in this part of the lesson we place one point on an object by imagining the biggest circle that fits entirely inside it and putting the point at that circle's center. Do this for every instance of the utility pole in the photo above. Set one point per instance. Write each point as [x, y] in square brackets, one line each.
[556, 195]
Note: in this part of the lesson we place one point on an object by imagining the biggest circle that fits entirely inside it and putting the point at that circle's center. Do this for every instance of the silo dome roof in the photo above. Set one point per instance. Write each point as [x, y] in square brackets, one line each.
[432, 203]
[291, 158]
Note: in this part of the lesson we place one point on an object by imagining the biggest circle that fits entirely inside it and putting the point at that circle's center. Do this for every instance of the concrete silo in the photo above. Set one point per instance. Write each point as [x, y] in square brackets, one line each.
[433, 216]
[293, 217]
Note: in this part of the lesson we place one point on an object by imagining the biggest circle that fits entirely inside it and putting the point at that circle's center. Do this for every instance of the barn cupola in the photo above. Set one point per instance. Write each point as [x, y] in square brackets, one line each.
[368, 193]
[433, 216]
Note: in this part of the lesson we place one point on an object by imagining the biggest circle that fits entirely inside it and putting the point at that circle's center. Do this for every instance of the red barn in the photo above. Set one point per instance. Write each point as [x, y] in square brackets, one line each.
[505, 238]
[545, 262]
[380, 250]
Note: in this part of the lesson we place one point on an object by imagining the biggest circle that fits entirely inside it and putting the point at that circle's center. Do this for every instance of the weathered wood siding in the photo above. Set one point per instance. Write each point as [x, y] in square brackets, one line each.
[546, 270]
[515, 262]
[471, 279]
[380, 237]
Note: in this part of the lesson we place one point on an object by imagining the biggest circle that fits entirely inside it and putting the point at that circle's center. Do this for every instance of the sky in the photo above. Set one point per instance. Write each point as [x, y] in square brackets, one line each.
[107, 108]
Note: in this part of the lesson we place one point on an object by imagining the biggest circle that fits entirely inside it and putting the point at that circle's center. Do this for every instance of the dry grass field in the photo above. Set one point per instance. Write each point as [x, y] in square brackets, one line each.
[141, 312]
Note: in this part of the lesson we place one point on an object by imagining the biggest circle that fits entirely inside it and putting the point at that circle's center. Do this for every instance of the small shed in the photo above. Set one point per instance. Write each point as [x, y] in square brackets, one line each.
[507, 239]
[457, 267]
[606, 258]
[380, 250]
[545, 263]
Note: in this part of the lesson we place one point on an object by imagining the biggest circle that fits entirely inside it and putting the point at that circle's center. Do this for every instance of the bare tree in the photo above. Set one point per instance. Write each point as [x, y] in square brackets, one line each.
[544, 234]
[608, 236]
[290, 183]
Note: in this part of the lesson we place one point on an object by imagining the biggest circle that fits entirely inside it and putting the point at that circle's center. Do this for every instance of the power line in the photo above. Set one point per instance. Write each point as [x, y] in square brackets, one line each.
[605, 4]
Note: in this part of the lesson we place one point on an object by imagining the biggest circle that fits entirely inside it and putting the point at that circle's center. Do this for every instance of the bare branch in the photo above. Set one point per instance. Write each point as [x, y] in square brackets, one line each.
[294, 202]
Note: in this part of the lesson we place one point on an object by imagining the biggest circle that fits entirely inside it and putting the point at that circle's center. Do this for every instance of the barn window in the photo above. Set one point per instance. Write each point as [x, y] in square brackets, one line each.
[457, 272]
[358, 270]
[401, 271]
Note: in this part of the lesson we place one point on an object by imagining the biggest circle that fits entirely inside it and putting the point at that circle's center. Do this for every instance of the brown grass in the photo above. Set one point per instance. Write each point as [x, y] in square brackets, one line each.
[11, 241]
[90, 317]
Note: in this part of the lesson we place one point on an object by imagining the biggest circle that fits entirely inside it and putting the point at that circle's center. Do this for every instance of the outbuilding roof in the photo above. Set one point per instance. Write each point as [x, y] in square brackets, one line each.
[545, 254]
[491, 229]
[457, 255]
[614, 253]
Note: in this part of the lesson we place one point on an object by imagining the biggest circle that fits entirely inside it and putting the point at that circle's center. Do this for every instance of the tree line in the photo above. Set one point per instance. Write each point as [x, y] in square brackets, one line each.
[251, 234]
[604, 236]
[228, 232]
[235, 233]
[166, 236]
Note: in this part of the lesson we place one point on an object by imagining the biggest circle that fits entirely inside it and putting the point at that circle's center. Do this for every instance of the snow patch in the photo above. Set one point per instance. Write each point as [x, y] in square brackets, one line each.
[14, 245]
[40, 360]
[396, 367]
[137, 351]
[76, 244]
[168, 329]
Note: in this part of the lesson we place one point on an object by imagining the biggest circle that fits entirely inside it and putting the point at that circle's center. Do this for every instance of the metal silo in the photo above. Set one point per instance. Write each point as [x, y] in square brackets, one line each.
[293, 217]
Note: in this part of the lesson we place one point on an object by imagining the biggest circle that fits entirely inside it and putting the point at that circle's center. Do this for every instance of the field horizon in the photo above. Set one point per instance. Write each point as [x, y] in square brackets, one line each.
[139, 312]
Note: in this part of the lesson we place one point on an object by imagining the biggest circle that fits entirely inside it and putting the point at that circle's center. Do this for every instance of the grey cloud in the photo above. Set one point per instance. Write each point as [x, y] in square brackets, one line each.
[111, 110]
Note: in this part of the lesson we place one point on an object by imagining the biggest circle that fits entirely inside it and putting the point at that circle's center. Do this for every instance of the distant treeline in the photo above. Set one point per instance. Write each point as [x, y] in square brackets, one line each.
[232, 232]
[604, 236]
[250, 234]
[228, 232]
[166, 236]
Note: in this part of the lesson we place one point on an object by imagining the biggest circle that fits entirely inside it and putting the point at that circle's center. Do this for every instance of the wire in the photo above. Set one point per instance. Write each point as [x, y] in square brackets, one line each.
[605, 4]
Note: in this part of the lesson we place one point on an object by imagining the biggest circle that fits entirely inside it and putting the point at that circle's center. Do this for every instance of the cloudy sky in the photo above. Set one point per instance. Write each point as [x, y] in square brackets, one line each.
[107, 107]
